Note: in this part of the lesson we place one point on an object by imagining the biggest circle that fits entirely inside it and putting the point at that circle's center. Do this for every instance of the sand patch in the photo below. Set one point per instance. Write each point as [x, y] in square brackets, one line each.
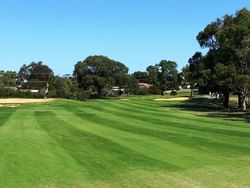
[173, 99]
[9, 105]
[16, 101]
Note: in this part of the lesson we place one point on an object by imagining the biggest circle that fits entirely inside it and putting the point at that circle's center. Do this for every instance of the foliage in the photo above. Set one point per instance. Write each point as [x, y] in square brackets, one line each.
[140, 76]
[34, 76]
[168, 75]
[11, 93]
[83, 95]
[98, 73]
[63, 87]
[163, 76]
[8, 78]
[132, 85]
[227, 60]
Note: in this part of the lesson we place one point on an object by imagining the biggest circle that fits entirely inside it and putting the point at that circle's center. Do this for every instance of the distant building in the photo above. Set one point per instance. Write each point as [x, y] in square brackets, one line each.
[144, 85]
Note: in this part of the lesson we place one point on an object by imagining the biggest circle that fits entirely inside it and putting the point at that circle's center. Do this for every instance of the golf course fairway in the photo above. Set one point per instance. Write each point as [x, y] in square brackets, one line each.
[138, 142]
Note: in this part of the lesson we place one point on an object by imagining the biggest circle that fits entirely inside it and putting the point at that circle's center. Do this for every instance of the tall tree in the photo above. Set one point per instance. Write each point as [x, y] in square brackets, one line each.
[99, 73]
[192, 72]
[153, 78]
[228, 42]
[64, 87]
[153, 75]
[168, 75]
[132, 85]
[34, 76]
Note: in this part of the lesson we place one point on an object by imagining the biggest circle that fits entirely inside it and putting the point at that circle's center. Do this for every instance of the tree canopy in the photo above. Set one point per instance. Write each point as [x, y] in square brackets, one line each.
[8, 78]
[225, 68]
[97, 73]
[34, 75]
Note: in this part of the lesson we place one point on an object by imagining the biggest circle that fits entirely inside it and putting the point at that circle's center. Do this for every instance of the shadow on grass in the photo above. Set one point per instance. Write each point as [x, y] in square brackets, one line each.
[197, 104]
[213, 108]
[233, 116]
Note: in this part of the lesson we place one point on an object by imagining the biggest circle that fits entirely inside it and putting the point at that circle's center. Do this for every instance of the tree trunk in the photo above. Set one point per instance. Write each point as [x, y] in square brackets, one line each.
[242, 101]
[99, 92]
[226, 99]
[191, 93]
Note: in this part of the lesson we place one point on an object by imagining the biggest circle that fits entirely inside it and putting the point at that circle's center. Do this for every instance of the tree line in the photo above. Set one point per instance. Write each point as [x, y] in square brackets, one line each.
[224, 69]
[93, 77]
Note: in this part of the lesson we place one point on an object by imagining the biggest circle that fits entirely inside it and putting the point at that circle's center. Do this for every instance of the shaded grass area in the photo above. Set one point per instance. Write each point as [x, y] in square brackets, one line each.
[208, 106]
[136, 142]
[198, 104]
[233, 116]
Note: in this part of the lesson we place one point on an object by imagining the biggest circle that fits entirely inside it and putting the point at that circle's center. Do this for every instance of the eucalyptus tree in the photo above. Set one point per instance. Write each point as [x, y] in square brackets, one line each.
[227, 61]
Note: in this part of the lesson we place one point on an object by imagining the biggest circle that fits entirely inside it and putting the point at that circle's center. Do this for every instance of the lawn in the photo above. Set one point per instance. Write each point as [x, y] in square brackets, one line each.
[135, 142]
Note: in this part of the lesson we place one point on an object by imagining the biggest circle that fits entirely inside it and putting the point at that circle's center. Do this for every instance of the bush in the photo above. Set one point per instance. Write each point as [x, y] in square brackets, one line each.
[143, 92]
[11, 93]
[83, 95]
[154, 90]
[173, 93]
[52, 94]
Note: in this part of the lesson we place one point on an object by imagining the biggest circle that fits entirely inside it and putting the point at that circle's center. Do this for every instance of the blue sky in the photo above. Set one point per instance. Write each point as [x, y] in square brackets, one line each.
[136, 32]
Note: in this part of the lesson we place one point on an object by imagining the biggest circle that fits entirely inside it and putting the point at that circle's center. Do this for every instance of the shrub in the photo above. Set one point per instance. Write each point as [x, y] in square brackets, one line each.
[173, 93]
[83, 94]
[154, 90]
[10, 93]
[143, 92]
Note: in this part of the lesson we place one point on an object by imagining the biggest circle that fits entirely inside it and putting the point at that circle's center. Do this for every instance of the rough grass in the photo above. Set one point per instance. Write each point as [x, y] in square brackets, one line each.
[137, 142]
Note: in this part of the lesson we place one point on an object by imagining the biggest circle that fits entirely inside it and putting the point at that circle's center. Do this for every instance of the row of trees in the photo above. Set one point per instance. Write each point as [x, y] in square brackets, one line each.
[95, 76]
[226, 66]
[98, 74]
[33, 80]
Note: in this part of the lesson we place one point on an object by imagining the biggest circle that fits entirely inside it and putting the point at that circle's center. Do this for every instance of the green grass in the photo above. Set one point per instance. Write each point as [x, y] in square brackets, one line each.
[137, 142]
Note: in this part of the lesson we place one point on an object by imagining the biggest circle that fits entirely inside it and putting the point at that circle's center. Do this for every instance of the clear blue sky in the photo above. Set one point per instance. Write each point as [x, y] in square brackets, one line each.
[136, 32]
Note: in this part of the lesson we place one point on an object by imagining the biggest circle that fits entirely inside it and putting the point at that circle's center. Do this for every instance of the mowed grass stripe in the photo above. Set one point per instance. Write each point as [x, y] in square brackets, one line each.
[184, 127]
[180, 137]
[160, 120]
[158, 111]
[89, 149]
[5, 114]
[108, 143]
[161, 109]
[30, 158]
[155, 148]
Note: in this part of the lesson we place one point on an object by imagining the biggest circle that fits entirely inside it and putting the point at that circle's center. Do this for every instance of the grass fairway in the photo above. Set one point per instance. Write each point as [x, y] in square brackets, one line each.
[139, 142]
